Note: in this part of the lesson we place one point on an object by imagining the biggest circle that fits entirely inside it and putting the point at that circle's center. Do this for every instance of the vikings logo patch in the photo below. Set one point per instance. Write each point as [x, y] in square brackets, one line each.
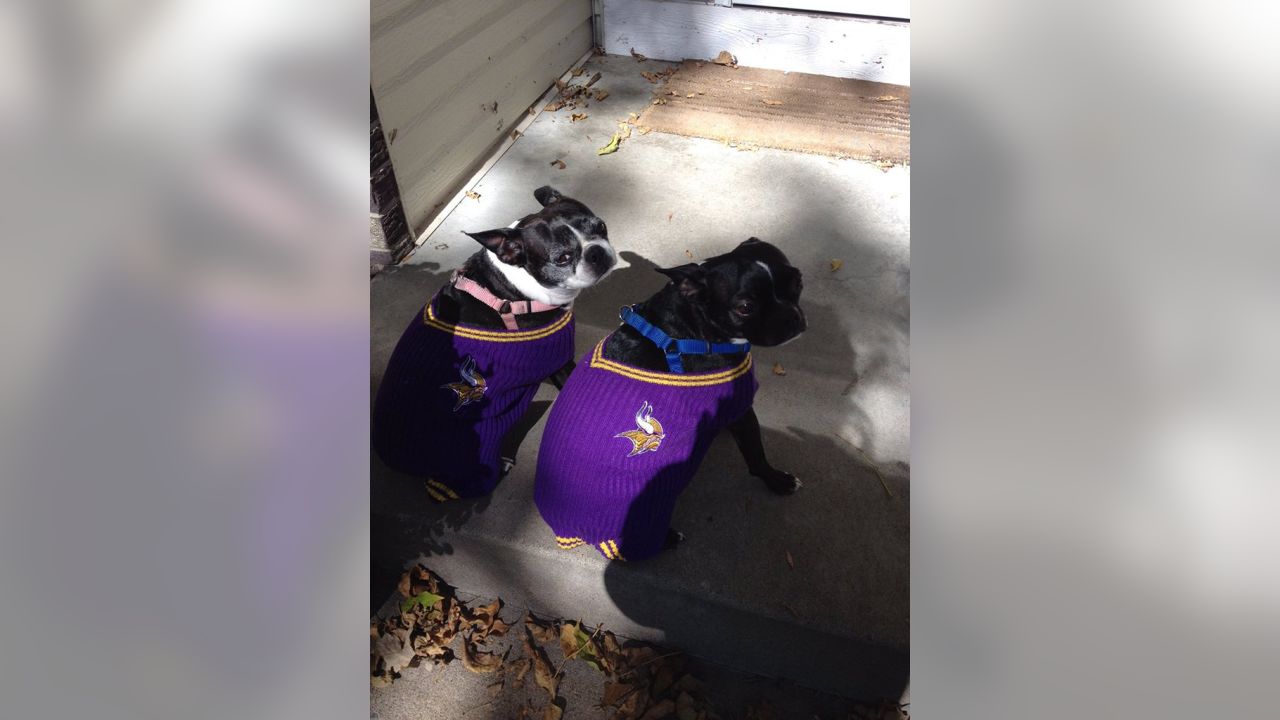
[648, 433]
[471, 388]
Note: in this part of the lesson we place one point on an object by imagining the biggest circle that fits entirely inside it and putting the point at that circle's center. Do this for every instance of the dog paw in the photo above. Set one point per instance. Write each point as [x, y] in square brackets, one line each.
[782, 483]
[674, 538]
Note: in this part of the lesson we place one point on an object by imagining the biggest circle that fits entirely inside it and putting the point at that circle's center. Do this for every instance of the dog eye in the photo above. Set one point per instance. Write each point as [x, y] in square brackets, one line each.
[564, 259]
[744, 308]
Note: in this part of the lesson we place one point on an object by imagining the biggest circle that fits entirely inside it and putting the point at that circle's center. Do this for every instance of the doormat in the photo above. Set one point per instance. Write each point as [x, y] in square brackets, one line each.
[789, 111]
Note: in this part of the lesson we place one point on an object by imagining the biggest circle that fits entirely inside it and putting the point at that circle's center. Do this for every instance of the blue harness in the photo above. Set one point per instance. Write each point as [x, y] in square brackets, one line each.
[673, 347]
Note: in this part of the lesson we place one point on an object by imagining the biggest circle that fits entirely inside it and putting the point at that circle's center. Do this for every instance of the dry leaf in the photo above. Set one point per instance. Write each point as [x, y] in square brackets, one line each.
[601, 95]
[473, 195]
[442, 246]
[612, 147]
[659, 101]
[836, 265]
[771, 102]
[552, 711]
[558, 163]
[554, 105]
[651, 77]
[632, 706]
[519, 669]
[477, 661]
[684, 707]
[790, 560]
[726, 58]
[391, 136]
[638, 56]
[515, 134]
[577, 71]
[884, 98]
[594, 79]
[542, 672]
[575, 117]
[669, 216]
[778, 369]
[614, 692]
[661, 710]
[688, 254]
[394, 651]
[543, 632]
[625, 130]
[689, 95]
[645, 130]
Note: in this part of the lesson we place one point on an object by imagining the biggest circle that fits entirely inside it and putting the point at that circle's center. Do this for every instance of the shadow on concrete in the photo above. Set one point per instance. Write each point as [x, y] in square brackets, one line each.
[815, 619]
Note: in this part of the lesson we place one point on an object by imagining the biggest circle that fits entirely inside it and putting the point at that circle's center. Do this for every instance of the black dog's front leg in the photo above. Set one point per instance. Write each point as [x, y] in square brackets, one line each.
[561, 375]
[746, 432]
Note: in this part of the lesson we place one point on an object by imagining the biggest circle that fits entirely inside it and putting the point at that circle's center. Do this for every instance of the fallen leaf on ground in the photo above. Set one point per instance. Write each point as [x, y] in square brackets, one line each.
[790, 560]
[778, 369]
[651, 77]
[542, 672]
[836, 265]
[515, 134]
[771, 102]
[424, 598]
[473, 195]
[442, 246]
[689, 95]
[688, 254]
[594, 79]
[477, 661]
[884, 98]
[631, 707]
[601, 95]
[552, 711]
[645, 130]
[684, 707]
[661, 710]
[577, 71]
[638, 56]
[669, 216]
[519, 670]
[612, 147]
[625, 130]
[725, 58]
[391, 136]
[614, 692]
[659, 101]
[575, 117]
[576, 643]
[542, 631]
[558, 163]
[394, 651]
[554, 105]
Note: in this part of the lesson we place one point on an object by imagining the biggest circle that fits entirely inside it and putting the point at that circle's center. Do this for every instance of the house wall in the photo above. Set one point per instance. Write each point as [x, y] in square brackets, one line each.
[451, 78]
[839, 46]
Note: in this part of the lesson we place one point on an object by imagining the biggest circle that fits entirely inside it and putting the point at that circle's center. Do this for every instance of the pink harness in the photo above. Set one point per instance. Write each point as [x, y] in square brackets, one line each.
[507, 309]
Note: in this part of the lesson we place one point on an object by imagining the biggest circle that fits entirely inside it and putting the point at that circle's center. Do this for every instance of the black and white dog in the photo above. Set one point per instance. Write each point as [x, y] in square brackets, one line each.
[468, 365]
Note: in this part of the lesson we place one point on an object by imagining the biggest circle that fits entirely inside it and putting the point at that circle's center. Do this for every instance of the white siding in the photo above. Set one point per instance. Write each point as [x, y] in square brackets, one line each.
[850, 47]
[435, 65]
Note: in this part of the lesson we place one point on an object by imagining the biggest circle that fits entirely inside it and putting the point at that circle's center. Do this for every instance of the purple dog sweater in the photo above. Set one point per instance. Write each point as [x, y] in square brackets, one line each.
[621, 444]
[451, 392]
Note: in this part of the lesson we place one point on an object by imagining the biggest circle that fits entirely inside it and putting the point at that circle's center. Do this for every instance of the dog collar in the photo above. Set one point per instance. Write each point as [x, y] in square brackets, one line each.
[506, 309]
[673, 347]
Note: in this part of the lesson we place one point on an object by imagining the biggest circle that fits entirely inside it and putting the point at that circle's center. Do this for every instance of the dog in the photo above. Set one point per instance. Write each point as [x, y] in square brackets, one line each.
[636, 416]
[467, 367]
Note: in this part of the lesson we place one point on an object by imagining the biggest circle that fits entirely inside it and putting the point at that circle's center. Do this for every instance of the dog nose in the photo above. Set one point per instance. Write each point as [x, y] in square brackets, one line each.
[597, 256]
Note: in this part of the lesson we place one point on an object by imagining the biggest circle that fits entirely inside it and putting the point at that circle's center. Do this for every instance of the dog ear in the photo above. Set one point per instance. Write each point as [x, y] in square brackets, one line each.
[547, 195]
[689, 279]
[506, 243]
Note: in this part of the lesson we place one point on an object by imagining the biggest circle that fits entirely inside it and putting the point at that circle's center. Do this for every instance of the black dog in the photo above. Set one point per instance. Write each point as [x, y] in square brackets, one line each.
[586, 481]
[466, 368]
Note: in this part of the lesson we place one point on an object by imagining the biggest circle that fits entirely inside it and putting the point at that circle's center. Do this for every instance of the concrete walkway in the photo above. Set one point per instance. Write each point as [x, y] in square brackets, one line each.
[834, 616]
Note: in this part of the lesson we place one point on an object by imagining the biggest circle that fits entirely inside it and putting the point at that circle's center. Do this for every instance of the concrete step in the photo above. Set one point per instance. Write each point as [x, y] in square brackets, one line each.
[835, 621]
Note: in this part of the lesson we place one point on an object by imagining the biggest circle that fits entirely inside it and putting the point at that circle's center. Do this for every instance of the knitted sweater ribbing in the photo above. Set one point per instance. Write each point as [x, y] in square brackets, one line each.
[621, 444]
